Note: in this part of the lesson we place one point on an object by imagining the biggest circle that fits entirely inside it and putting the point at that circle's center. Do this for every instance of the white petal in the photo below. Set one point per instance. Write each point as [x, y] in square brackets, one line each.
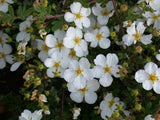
[102, 20]
[59, 34]
[76, 96]
[96, 10]
[71, 87]
[104, 43]
[109, 6]
[88, 37]
[131, 30]
[69, 17]
[106, 80]
[2, 63]
[84, 63]
[49, 62]
[146, 39]
[79, 51]
[42, 55]
[156, 87]
[83, 45]
[147, 85]
[75, 7]
[100, 60]
[10, 1]
[69, 75]
[97, 71]
[50, 40]
[78, 23]
[85, 11]
[50, 72]
[7, 48]
[9, 59]
[127, 39]
[79, 82]
[150, 68]
[4, 7]
[86, 22]
[92, 85]
[15, 66]
[158, 57]
[140, 28]
[112, 59]
[141, 76]
[104, 31]
[90, 97]
[68, 42]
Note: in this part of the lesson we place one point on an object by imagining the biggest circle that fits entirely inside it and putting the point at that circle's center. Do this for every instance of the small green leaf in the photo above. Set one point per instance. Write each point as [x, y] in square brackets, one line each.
[11, 10]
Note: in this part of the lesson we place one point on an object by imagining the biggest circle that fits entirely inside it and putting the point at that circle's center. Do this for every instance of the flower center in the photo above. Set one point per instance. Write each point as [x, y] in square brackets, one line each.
[79, 71]
[57, 64]
[3, 55]
[77, 40]
[137, 36]
[107, 69]
[45, 48]
[59, 45]
[99, 36]
[111, 103]
[2, 1]
[72, 53]
[155, 17]
[56, 74]
[153, 77]
[105, 12]
[78, 15]
[95, 27]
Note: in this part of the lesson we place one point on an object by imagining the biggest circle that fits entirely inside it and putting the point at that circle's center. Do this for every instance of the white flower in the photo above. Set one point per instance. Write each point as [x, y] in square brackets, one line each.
[105, 68]
[135, 34]
[76, 113]
[99, 37]
[24, 34]
[3, 37]
[4, 5]
[56, 65]
[88, 92]
[74, 40]
[108, 105]
[79, 15]
[103, 14]
[158, 56]
[149, 77]
[42, 98]
[27, 115]
[15, 66]
[149, 117]
[154, 4]
[55, 42]
[78, 73]
[5, 56]
[153, 18]
[43, 54]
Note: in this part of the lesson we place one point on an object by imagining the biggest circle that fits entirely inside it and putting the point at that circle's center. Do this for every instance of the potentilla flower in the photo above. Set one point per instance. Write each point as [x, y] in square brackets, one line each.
[24, 27]
[43, 54]
[4, 5]
[76, 113]
[154, 4]
[5, 56]
[135, 33]
[105, 68]
[149, 117]
[79, 15]
[99, 37]
[103, 14]
[78, 73]
[3, 37]
[153, 18]
[149, 77]
[108, 105]
[87, 93]
[56, 65]
[55, 42]
[27, 115]
[74, 40]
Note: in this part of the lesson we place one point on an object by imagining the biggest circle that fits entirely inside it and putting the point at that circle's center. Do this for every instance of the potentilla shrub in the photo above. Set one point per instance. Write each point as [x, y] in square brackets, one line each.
[83, 59]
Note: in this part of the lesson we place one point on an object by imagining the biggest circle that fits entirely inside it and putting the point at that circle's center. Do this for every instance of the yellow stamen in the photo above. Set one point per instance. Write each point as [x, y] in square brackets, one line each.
[77, 40]
[57, 64]
[105, 12]
[137, 36]
[79, 71]
[72, 53]
[111, 103]
[44, 48]
[78, 15]
[153, 77]
[99, 36]
[107, 69]
[3, 55]
[95, 27]
[2, 1]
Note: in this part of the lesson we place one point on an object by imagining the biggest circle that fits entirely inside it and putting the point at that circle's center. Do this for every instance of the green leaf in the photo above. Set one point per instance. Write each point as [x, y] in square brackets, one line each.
[11, 10]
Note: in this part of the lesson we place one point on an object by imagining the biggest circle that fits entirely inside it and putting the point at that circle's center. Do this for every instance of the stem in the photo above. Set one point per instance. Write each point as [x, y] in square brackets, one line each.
[117, 15]
[91, 2]
[54, 16]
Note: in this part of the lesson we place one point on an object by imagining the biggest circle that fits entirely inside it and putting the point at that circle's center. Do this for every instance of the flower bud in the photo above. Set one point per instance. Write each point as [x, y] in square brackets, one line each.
[37, 81]
[27, 84]
[116, 115]
[138, 107]
[123, 7]
[139, 49]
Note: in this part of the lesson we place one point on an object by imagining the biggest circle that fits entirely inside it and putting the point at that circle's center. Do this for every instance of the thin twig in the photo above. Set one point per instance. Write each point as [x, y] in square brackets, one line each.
[54, 16]
[91, 2]
[117, 15]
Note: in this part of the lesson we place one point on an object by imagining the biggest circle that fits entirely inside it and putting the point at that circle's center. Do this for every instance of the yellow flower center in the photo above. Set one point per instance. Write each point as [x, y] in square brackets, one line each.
[2, 1]
[3, 55]
[72, 53]
[99, 36]
[149, 0]
[83, 90]
[44, 48]
[57, 64]
[77, 40]
[59, 45]
[95, 27]
[78, 15]
[153, 77]
[111, 103]
[79, 71]
[105, 12]
[137, 36]
[155, 17]
[107, 69]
